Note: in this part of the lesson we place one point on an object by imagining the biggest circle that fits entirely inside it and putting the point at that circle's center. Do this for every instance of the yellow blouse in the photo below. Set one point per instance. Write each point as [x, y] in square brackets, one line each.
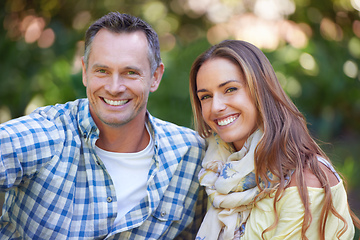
[291, 212]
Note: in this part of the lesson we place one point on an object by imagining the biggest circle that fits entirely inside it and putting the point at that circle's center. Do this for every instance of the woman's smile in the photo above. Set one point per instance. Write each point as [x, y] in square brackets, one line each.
[227, 120]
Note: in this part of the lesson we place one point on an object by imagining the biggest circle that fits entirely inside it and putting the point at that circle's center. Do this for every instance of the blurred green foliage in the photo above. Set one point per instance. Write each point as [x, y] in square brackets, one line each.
[321, 75]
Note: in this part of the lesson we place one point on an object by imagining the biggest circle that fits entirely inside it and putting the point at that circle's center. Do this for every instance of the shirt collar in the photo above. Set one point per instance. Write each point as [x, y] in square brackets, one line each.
[85, 121]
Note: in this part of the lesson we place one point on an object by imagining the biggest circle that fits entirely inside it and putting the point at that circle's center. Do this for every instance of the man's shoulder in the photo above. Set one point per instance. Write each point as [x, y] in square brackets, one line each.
[70, 108]
[46, 117]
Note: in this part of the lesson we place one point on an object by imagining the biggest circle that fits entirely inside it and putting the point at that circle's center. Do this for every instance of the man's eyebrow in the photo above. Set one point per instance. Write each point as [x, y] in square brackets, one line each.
[133, 68]
[96, 65]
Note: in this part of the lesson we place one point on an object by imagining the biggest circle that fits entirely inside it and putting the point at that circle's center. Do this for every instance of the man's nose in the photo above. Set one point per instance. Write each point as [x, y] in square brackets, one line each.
[115, 85]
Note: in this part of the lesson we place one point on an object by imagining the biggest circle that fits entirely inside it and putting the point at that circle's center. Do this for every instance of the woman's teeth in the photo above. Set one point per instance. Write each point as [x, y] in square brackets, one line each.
[226, 121]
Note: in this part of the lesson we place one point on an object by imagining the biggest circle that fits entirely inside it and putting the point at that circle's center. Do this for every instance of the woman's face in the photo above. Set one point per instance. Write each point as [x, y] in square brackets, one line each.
[226, 105]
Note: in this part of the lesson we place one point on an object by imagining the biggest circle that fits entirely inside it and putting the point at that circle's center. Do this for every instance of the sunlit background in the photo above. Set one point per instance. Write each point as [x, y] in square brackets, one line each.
[314, 47]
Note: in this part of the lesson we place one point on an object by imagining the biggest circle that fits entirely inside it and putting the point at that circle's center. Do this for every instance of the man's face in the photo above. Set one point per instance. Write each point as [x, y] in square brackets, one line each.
[118, 78]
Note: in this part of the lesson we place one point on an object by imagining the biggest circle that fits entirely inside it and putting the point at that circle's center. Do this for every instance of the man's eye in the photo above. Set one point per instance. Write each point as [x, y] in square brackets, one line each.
[131, 73]
[101, 71]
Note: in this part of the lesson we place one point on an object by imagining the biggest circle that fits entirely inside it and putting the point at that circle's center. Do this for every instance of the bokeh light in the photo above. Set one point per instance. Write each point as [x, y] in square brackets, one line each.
[355, 4]
[36, 102]
[274, 9]
[309, 64]
[330, 30]
[350, 69]
[293, 87]
[47, 38]
[356, 28]
[33, 27]
[354, 47]
[5, 114]
[81, 20]
[167, 42]
[154, 11]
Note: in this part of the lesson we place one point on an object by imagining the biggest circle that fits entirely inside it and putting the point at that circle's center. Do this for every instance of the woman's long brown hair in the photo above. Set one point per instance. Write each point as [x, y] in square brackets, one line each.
[286, 145]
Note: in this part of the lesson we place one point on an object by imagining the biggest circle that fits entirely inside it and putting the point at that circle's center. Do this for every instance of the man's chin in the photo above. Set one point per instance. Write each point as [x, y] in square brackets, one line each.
[115, 123]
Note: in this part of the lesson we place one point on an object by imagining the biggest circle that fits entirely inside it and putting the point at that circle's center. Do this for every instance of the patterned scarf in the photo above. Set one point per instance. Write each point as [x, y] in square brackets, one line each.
[229, 179]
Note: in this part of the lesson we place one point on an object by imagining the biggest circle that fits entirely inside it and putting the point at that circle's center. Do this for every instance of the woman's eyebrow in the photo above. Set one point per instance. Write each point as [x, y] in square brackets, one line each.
[220, 85]
[227, 82]
[201, 90]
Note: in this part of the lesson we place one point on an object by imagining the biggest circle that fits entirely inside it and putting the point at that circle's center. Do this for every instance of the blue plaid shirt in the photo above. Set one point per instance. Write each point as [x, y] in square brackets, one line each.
[58, 188]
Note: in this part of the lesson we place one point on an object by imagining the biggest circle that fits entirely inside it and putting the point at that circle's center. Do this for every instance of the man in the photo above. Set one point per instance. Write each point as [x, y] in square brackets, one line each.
[102, 167]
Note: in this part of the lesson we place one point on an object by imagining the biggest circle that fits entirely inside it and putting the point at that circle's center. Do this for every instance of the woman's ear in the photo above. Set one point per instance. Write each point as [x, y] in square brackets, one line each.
[156, 78]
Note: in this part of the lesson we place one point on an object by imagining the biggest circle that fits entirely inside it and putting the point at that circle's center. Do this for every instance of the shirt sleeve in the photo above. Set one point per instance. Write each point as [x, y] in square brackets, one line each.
[26, 144]
[10, 167]
[262, 217]
[291, 213]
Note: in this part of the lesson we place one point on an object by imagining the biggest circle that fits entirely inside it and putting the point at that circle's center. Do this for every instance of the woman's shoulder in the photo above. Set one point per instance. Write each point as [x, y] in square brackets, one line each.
[312, 181]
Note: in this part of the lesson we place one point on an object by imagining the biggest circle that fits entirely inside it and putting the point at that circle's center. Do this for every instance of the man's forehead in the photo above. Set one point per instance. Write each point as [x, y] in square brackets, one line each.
[137, 35]
[124, 48]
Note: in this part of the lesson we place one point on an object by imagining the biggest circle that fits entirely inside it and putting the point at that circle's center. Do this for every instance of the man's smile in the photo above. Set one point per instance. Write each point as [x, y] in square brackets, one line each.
[115, 103]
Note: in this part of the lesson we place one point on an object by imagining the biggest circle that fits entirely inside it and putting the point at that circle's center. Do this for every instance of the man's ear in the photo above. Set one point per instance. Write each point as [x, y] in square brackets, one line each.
[83, 71]
[156, 78]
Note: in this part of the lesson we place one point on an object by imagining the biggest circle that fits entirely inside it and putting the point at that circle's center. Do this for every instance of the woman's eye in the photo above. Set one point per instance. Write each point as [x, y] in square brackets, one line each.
[204, 97]
[230, 89]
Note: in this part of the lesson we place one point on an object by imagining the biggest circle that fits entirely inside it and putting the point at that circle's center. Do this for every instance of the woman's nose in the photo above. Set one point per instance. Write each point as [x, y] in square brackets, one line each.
[218, 104]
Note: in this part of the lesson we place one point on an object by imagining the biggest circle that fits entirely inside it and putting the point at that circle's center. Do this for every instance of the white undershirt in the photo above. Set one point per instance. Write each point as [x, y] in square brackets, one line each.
[129, 172]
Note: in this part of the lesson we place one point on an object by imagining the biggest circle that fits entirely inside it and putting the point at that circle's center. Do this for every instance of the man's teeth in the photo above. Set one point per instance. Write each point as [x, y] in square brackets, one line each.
[115, 103]
[226, 121]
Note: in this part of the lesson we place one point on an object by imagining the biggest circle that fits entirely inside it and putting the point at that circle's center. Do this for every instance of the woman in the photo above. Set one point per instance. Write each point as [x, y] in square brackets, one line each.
[265, 176]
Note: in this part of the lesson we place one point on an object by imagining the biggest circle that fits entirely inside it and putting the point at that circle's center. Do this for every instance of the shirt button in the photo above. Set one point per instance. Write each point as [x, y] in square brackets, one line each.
[109, 199]
[163, 213]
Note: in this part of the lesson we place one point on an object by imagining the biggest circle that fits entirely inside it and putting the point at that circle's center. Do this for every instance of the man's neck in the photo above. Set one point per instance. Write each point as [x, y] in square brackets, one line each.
[125, 139]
